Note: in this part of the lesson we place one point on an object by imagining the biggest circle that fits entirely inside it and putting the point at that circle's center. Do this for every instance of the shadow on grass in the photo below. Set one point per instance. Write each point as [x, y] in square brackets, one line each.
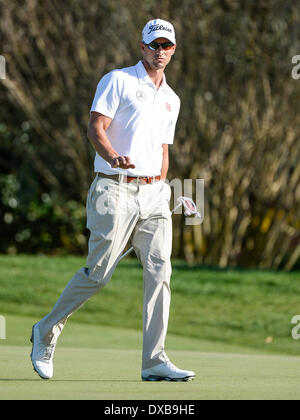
[68, 380]
[183, 265]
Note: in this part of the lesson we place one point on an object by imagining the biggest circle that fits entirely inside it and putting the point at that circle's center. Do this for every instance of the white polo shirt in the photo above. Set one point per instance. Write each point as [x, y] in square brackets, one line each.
[143, 118]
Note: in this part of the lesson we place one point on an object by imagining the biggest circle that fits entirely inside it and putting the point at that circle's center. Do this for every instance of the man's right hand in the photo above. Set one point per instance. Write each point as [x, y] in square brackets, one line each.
[98, 124]
[122, 162]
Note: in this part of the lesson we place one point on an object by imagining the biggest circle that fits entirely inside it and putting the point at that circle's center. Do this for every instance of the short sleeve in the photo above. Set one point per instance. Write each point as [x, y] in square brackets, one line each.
[170, 133]
[107, 96]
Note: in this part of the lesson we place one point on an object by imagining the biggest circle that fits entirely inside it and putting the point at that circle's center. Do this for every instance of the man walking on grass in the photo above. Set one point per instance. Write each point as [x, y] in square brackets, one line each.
[132, 122]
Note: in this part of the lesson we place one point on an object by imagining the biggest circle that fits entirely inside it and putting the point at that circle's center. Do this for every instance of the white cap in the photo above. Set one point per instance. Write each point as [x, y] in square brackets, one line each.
[158, 28]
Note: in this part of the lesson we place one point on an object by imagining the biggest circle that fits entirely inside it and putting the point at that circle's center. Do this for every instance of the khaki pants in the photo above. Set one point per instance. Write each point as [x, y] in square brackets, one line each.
[116, 212]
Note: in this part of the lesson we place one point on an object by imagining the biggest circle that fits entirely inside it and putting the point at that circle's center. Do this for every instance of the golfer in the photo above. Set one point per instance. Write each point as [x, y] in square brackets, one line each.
[132, 122]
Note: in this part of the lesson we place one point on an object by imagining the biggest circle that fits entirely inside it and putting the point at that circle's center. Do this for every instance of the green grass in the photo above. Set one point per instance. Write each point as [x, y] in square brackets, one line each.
[236, 307]
[103, 363]
[219, 323]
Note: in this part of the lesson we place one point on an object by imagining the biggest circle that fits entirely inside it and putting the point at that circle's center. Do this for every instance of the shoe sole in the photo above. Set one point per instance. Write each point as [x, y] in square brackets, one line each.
[32, 340]
[153, 378]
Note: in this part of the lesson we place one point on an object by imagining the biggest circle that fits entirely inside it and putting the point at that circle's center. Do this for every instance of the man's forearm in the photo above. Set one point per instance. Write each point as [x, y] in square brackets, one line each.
[101, 144]
[98, 124]
[165, 163]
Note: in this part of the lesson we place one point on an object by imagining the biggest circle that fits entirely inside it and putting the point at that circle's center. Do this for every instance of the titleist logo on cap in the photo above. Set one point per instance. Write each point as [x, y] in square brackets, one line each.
[153, 28]
[158, 28]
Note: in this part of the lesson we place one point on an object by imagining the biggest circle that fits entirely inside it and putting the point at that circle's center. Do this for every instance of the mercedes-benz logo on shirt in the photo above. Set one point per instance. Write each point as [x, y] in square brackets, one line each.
[141, 95]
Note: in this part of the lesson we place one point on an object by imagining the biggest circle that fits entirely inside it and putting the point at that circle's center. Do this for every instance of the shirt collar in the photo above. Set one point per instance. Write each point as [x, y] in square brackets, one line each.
[144, 77]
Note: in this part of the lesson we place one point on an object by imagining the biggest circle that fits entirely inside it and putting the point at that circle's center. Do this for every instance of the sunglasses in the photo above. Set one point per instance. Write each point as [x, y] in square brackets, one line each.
[153, 46]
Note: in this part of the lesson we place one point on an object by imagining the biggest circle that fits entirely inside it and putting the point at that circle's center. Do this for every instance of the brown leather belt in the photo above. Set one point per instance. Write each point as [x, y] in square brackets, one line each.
[135, 179]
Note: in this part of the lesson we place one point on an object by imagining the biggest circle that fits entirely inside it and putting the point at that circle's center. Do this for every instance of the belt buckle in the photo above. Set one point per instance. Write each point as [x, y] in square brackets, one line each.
[133, 180]
[143, 180]
[149, 180]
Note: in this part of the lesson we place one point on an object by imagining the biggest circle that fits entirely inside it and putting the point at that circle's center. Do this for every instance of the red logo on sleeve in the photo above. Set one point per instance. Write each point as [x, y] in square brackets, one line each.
[168, 107]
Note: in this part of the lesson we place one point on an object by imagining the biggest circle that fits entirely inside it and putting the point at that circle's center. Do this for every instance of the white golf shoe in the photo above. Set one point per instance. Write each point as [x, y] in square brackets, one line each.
[41, 355]
[167, 372]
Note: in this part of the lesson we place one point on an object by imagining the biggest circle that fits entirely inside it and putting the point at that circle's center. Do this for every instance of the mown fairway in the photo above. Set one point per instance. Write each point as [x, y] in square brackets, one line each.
[104, 363]
[232, 327]
[246, 308]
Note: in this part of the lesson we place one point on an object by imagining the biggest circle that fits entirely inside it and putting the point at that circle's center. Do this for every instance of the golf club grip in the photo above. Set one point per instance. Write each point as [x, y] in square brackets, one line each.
[126, 253]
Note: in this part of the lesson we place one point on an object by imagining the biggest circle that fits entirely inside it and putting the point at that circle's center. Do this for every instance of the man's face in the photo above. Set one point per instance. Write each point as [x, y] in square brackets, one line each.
[159, 58]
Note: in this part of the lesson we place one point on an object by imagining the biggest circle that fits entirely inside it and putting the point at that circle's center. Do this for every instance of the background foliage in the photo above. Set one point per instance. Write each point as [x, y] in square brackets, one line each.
[238, 129]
